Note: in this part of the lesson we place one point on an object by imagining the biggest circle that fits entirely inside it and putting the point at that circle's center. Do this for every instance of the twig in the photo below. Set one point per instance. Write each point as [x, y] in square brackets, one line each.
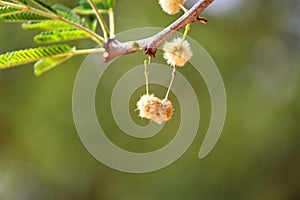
[114, 48]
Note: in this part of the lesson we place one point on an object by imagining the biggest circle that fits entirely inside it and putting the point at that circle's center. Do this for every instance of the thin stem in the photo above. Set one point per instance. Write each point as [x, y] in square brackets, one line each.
[183, 8]
[79, 52]
[93, 35]
[88, 51]
[186, 31]
[100, 19]
[187, 27]
[146, 63]
[172, 80]
[89, 12]
[111, 23]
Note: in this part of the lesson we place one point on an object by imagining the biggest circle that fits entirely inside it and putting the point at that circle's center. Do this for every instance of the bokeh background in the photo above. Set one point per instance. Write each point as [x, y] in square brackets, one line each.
[256, 45]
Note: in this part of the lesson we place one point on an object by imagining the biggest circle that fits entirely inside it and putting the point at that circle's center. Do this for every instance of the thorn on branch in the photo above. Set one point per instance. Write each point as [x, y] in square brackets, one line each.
[202, 20]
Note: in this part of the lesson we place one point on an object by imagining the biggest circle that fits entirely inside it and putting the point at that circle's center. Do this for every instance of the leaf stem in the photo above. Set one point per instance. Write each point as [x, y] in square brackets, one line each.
[171, 83]
[187, 27]
[111, 23]
[79, 52]
[97, 38]
[100, 19]
[88, 51]
[186, 31]
[183, 8]
[146, 63]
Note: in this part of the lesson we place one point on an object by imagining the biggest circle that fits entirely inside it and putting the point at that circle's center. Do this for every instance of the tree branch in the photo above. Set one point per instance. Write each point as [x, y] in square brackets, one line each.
[114, 48]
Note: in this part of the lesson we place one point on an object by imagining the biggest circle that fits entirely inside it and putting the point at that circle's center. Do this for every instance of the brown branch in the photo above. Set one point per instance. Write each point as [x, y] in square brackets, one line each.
[114, 48]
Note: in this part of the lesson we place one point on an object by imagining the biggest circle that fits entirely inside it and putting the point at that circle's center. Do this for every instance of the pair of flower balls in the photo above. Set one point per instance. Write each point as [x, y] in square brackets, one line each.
[176, 53]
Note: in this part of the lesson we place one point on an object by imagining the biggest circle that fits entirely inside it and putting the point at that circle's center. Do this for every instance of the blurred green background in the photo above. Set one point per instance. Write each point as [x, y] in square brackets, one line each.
[255, 44]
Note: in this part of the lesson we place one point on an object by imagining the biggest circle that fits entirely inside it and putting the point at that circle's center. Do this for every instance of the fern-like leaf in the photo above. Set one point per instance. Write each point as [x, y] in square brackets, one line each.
[93, 25]
[15, 58]
[24, 2]
[6, 10]
[23, 17]
[83, 6]
[45, 25]
[46, 64]
[110, 3]
[44, 5]
[60, 35]
[67, 13]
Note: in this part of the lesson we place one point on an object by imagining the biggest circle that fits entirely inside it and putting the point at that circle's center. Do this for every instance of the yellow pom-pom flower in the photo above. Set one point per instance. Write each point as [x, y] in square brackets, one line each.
[177, 53]
[171, 6]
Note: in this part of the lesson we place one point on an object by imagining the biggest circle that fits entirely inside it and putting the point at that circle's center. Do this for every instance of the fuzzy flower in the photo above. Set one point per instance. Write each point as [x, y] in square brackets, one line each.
[171, 6]
[145, 103]
[151, 107]
[162, 112]
[177, 54]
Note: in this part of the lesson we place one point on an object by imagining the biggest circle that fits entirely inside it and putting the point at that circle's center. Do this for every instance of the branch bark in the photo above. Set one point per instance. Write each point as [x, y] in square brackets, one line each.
[114, 48]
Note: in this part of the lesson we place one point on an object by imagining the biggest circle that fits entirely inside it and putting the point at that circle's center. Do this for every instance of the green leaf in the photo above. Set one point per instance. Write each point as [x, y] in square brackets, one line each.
[67, 13]
[44, 5]
[82, 11]
[110, 3]
[6, 10]
[45, 25]
[83, 6]
[24, 2]
[23, 17]
[15, 58]
[60, 35]
[94, 25]
[46, 64]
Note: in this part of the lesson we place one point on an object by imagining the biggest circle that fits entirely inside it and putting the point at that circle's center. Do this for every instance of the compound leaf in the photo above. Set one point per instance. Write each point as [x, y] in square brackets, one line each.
[24, 2]
[110, 3]
[45, 25]
[23, 17]
[46, 64]
[6, 10]
[67, 13]
[20, 57]
[60, 35]
[83, 7]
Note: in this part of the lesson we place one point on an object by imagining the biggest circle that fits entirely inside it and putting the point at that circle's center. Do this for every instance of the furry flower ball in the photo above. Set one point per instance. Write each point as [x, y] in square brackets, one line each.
[171, 6]
[151, 107]
[177, 53]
